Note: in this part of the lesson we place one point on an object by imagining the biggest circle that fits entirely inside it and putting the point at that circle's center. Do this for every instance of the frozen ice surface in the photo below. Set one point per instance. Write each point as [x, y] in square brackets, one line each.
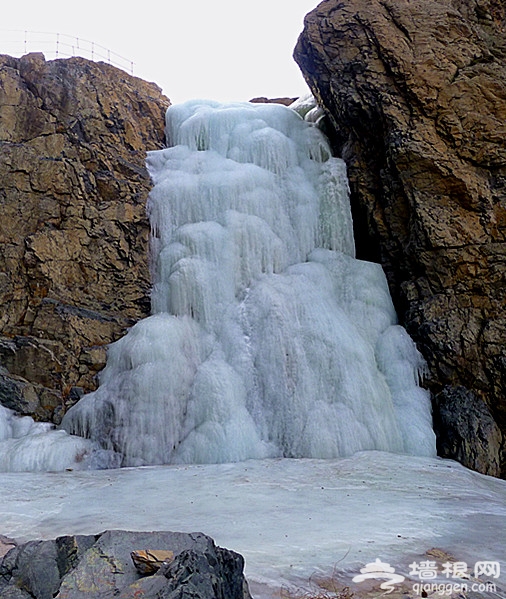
[290, 518]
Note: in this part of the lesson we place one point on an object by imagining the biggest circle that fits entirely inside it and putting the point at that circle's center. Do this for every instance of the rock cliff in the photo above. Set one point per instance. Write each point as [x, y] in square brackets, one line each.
[416, 93]
[73, 229]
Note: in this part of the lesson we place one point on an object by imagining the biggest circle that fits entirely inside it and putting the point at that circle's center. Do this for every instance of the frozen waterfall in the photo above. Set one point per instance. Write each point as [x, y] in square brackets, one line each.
[268, 338]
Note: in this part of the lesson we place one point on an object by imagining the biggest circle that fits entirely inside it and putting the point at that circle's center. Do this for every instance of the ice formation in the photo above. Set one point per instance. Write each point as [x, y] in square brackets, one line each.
[29, 446]
[268, 338]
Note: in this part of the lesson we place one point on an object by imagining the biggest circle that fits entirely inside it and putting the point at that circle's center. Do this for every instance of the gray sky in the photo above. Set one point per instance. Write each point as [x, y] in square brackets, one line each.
[218, 49]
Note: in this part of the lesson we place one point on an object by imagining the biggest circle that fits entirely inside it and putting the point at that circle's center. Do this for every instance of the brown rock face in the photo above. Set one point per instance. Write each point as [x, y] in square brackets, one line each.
[73, 229]
[416, 91]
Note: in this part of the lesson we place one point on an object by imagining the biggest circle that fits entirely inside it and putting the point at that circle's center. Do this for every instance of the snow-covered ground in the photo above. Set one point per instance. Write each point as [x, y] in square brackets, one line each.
[290, 519]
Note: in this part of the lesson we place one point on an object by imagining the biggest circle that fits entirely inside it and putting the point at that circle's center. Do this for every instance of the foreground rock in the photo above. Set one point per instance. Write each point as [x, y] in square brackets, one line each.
[95, 567]
[6, 544]
[416, 90]
[73, 234]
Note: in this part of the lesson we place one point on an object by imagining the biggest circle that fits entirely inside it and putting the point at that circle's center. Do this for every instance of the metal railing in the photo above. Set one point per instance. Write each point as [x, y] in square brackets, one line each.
[17, 42]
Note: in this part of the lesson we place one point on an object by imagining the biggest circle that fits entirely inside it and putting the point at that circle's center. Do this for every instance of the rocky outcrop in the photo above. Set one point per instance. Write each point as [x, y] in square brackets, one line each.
[94, 567]
[263, 100]
[416, 92]
[74, 268]
[466, 430]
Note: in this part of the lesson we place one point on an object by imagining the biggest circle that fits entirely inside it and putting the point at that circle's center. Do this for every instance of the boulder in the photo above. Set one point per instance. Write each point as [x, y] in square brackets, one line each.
[415, 91]
[74, 272]
[100, 566]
